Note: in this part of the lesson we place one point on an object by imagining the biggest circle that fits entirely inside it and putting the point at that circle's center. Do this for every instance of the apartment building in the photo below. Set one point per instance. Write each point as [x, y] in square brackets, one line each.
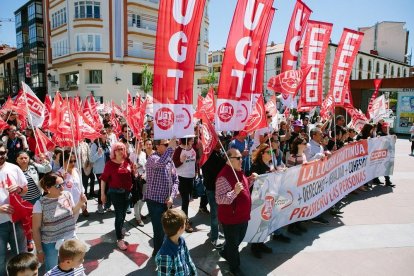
[102, 46]
[31, 47]
[8, 75]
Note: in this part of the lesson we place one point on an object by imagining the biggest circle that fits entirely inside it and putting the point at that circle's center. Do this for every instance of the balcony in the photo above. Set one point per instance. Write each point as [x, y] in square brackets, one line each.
[150, 3]
[142, 28]
[139, 52]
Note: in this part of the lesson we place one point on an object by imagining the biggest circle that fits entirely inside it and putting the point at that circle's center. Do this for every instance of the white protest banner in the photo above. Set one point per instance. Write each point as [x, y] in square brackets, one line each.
[305, 191]
[378, 109]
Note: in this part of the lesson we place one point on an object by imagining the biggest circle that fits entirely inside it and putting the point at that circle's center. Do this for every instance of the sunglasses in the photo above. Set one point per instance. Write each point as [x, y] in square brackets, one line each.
[72, 161]
[166, 145]
[58, 186]
[3, 153]
[119, 149]
[237, 157]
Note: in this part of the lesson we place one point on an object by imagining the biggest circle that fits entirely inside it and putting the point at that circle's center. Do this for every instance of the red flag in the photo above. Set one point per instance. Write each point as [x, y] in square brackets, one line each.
[238, 71]
[94, 111]
[206, 105]
[257, 118]
[3, 125]
[287, 113]
[22, 209]
[34, 106]
[8, 105]
[208, 138]
[377, 84]
[55, 113]
[270, 106]
[327, 107]
[358, 120]
[177, 35]
[116, 127]
[348, 101]
[44, 144]
[316, 43]
[22, 212]
[342, 66]
[63, 136]
[303, 108]
[48, 105]
[136, 118]
[288, 82]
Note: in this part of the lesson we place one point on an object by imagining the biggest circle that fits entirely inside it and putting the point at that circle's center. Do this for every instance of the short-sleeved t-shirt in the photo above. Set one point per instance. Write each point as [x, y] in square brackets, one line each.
[9, 174]
[118, 176]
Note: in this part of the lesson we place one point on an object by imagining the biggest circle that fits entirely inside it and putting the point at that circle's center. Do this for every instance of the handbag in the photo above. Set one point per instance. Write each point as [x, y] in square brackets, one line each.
[198, 187]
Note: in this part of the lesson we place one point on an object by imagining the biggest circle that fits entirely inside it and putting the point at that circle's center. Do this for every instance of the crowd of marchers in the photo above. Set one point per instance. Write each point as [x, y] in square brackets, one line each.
[124, 173]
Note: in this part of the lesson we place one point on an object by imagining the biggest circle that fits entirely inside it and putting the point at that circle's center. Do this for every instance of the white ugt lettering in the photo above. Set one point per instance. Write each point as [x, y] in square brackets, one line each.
[177, 74]
[178, 7]
[173, 47]
[243, 42]
[240, 75]
[248, 23]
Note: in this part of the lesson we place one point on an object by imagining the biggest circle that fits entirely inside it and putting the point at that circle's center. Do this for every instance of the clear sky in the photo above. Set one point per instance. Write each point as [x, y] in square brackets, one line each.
[342, 13]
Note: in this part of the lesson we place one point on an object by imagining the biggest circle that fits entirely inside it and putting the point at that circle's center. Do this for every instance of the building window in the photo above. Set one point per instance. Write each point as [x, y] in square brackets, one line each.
[142, 21]
[38, 80]
[377, 69]
[385, 71]
[215, 58]
[18, 20]
[60, 48]
[35, 33]
[88, 43]
[361, 64]
[59, 18]
[278, 62]
[137, 79]
[369, 66]
[39, 10]
[398, 72]
[95, 76]
[405, 73]
[31, 10]
[360, 75]
[392, 71]
[19, 40]
[205, 34]
[87, 9]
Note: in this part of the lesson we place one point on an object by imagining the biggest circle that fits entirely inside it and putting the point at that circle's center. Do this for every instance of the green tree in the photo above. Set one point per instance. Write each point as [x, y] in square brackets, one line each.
[210, 80]
[147, 77]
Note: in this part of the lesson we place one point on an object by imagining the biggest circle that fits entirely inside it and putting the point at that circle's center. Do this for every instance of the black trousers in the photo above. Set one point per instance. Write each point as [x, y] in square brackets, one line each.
[88, 181]
[185, 188]
[234, 235]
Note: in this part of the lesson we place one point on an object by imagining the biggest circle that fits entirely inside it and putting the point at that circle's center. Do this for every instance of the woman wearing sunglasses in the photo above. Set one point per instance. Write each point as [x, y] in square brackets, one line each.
[117, 175]
[72, 178]
[53, 219]
[262, 163]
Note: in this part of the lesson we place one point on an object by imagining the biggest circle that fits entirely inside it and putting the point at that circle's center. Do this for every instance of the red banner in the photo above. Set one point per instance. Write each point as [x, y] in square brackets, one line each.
[178, 31]
[327, 108]
[344, 58]
[258, 73]
[270, 106]
[377, 84]
[358, 120]
[48, 105]
[313, 54]
[348, 101]
[236, 78]
[297, 25]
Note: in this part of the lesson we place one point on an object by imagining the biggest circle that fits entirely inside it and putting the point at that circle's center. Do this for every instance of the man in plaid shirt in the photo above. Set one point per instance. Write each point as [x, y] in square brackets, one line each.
[162, 186]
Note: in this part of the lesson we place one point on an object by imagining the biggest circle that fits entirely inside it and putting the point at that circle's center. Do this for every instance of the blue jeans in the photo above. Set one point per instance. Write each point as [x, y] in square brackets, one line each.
[156, 210]
[120, 200]
[51, 255]
[213, 215]
[7, 236]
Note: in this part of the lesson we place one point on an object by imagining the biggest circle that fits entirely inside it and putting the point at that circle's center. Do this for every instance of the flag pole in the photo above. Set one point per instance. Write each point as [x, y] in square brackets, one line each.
[15, 238]
[225, 152]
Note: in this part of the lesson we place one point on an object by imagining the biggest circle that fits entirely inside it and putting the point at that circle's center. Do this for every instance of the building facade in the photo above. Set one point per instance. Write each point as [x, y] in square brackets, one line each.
[31, 47]
[102, 46]
[8, 75]
[377, 40]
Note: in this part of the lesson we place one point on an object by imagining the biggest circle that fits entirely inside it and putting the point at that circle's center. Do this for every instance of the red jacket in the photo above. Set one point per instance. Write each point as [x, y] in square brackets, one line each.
[239, 210]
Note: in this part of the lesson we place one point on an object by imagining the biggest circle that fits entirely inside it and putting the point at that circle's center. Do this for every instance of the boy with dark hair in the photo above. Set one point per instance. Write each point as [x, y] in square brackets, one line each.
[173, 257]
[71, 255]
[23, 264]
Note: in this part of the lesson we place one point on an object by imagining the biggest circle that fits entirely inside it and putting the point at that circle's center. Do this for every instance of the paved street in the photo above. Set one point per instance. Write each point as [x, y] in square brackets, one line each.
[374, 237]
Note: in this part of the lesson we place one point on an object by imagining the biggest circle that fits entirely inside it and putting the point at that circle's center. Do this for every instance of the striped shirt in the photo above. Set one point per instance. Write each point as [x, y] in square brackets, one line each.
[56, 271]
[162, 179]
[33, 190]
[57, 217]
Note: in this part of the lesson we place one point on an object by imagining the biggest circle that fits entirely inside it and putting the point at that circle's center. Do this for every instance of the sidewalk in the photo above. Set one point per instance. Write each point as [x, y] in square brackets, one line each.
[374, 237]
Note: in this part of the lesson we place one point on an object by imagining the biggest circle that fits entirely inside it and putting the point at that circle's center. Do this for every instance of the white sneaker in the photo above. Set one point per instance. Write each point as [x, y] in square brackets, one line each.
[100, 209]
[218, 244]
